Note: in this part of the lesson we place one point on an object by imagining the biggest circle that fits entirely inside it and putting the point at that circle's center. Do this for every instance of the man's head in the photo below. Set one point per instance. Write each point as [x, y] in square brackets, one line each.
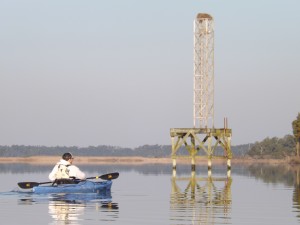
[67, 156]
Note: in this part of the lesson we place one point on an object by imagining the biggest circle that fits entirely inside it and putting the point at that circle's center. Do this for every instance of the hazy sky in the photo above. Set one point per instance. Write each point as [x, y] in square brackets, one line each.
[120, 72]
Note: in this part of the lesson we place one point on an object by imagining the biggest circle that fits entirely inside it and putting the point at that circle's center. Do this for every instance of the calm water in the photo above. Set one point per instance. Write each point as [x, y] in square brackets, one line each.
[151, 195]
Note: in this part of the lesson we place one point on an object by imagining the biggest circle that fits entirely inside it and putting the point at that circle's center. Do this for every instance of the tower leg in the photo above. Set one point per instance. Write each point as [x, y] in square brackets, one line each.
[193, 163]
[209, 173]
[174, 163]
[209, 164]
[174, 173]
[228, 164]
[228, 173]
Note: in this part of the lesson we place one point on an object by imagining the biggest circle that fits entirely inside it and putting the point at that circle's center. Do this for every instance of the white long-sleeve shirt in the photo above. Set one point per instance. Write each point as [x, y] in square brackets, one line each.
[74, 171]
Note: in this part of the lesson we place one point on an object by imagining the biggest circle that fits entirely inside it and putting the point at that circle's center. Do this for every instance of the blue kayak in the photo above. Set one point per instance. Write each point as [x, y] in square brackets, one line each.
[81, 187]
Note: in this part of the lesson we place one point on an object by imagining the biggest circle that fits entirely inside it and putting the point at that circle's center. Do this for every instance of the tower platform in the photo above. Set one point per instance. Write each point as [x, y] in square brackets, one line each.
[201, 139]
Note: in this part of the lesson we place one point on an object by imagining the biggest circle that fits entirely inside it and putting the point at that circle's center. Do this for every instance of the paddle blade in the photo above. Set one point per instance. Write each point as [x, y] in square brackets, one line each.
[28, 185]
[110, 176]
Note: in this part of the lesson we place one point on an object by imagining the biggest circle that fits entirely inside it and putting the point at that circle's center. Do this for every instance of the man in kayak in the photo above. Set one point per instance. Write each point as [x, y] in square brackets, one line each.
[64, 170]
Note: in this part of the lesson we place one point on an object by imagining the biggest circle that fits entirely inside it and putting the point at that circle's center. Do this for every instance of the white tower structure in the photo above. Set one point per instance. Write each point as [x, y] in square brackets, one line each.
[203, 136]
[203, 71]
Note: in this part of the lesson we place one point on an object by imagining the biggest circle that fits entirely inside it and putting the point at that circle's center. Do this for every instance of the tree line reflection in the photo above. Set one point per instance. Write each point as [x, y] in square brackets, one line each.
[280, 174]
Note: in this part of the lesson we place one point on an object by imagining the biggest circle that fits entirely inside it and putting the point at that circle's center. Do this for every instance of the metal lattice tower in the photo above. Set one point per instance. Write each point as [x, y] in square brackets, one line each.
[203, 71]
[203, 137]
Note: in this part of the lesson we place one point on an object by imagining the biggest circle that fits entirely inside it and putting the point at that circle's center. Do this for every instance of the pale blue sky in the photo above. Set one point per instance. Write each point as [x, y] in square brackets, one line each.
[120, 72]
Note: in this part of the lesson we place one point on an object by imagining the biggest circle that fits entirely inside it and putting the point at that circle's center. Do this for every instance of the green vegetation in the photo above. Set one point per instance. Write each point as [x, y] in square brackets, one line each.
[268, 148]
[278, 147]
[157, 151]
[273, 148]
[296, 132]
[101, 150]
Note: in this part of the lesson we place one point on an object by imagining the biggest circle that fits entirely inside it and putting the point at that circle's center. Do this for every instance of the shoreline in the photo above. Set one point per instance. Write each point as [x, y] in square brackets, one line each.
[123, 160]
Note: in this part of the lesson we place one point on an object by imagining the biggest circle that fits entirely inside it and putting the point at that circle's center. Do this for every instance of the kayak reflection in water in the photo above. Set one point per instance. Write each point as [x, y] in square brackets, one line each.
[65, 213]
[65, 170]
[70, 208]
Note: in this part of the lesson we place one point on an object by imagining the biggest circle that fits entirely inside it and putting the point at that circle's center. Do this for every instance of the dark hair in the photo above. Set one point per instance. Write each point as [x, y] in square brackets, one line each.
[67, 156]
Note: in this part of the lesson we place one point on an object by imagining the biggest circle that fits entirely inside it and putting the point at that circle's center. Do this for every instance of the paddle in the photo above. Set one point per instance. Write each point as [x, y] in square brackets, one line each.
[109, 176]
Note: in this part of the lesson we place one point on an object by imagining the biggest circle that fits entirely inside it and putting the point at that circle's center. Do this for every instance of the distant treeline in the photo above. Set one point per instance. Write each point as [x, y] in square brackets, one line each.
[274, 147]
[157, 151]
[268, 148]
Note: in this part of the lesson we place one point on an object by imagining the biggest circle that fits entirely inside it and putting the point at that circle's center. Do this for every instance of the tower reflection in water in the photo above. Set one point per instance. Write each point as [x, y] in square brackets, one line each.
[204, 200]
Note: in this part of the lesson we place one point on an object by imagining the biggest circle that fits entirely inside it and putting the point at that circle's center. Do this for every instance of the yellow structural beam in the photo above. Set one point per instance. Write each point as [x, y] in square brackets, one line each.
[201, 139]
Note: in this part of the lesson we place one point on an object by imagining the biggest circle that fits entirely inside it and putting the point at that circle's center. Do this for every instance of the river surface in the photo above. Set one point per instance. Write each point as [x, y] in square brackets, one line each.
[152, 194]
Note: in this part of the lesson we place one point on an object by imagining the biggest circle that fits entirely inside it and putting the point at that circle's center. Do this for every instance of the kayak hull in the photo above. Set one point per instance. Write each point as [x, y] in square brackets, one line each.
[81, 187]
